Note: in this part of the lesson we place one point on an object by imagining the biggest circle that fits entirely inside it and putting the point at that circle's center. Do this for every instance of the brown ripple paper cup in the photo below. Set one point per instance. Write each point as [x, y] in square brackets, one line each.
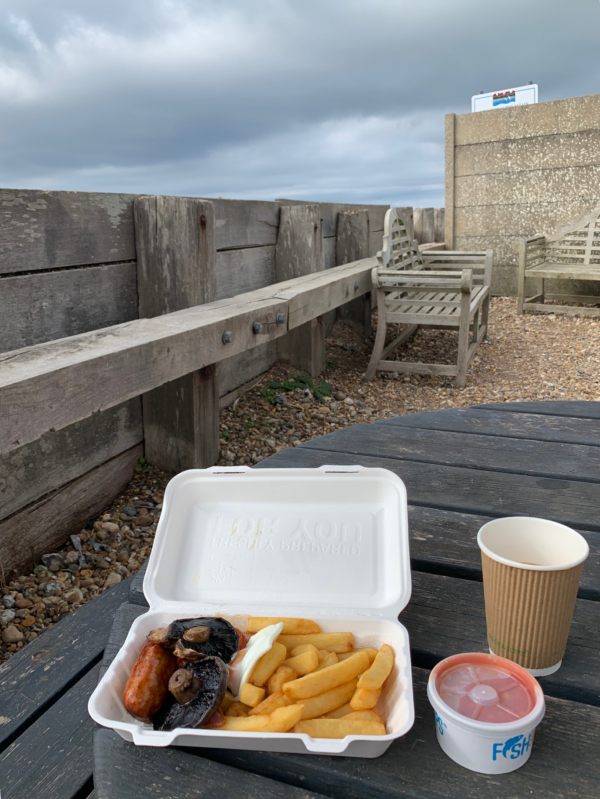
[531, 570]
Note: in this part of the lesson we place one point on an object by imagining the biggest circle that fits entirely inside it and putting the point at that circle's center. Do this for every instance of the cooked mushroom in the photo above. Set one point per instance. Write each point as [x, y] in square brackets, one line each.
[186, 653]
[160, 635]
[212, 675]
[197, 635]
[222, 641]
[184, 685]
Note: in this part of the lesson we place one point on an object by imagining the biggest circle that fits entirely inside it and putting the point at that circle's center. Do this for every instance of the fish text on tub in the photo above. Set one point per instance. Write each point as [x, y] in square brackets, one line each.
[512, 748]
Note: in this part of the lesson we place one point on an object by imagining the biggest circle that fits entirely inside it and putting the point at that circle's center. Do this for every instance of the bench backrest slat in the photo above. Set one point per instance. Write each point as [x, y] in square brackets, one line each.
[577, 243]
[399, 251]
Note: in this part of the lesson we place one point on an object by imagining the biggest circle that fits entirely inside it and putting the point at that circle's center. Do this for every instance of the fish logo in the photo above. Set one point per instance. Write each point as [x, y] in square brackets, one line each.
[440, 724]
[512, 748]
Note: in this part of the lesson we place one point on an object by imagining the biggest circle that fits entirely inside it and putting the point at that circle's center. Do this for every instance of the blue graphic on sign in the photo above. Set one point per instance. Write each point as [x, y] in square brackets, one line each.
[512, 748]
[439, 723]
[504, 101]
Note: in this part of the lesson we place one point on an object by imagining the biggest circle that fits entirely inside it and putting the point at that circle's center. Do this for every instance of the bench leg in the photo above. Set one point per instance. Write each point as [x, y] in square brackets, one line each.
[521, 278]
[462, 361]
[379, 344]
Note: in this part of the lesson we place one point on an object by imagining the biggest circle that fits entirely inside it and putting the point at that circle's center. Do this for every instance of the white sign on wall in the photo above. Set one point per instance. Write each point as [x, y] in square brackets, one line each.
[505, 98]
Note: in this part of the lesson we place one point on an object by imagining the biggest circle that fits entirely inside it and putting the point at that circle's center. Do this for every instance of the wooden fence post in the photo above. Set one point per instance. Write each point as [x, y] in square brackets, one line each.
[299, 251]
[176, 269]
[428, 226]
[352, 244]
[438, 222]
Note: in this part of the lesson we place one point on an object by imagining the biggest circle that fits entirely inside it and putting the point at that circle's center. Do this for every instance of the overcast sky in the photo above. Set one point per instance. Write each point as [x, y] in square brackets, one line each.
[312, 99]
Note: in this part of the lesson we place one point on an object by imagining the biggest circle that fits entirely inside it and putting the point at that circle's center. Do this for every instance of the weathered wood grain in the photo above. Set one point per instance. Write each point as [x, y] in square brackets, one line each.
[172, 773]
[53, 229]
[445, 615]
[238, 271]
[445, 542]
[352, 244]
[244, 367]
[299, 251]
[45, 523]
[54, 756]
[28, 473]
[56, 384]
[551, 772]
[578, 409]
[489, 422]
[176, 269]
[32, 679]
[48, 305]
[543, 458]
[469, 490]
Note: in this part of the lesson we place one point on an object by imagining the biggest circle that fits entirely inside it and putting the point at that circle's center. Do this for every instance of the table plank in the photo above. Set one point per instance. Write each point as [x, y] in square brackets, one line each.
[445, 542]
[445, 615]
[574, 408]
[53, 756]
[468, 490]
[473, 451]
[33, 678]
[489, 422]
[171, 773]
[414, 766]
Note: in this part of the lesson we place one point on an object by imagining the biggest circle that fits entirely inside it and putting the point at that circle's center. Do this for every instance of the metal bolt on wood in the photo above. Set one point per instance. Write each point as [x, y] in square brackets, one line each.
[227, 337]
[257, 327]
[280, 318]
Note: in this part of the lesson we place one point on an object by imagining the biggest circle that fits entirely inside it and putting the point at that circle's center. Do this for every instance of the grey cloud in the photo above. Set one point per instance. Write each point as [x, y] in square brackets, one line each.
[240, 97]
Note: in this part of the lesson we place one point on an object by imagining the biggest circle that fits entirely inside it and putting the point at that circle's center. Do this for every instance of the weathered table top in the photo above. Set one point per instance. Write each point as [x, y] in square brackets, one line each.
[461, 467]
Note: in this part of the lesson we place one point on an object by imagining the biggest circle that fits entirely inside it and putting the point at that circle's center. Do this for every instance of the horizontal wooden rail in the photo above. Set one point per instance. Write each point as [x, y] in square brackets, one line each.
[52, 385]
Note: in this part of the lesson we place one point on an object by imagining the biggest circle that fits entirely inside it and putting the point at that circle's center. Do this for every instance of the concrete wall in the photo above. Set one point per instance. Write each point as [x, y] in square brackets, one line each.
[517, 172]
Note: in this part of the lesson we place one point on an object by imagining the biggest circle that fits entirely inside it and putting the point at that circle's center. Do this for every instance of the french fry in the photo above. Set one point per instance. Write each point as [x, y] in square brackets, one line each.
[339, 712]
[305, 663]
[379, 670]
[228, 700]
[336, 642]
[251, 695]
[364, 699]
[267, 664]
[284, 718]
[325, 679]
[372, 653]
[369, 715]
[298, 650]
[328, 659]
[245, 723]
[271, 703]
[323, 703]
[237, 709]
[339, 728]
[282, 675]
[290, 626]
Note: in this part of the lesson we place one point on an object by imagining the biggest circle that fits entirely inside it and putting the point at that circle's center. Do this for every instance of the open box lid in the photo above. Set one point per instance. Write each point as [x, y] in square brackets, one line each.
[331, 541]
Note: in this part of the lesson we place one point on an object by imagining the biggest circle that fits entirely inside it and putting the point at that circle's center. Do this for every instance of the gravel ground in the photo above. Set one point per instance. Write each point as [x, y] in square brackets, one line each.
[526, 358]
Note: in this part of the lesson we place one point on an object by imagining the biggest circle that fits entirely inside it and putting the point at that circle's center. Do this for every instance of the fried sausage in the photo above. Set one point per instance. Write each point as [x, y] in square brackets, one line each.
[148, 683]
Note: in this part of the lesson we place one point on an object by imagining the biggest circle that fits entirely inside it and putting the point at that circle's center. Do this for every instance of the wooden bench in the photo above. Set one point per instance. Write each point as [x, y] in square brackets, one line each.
[571, 254]
[428, 288]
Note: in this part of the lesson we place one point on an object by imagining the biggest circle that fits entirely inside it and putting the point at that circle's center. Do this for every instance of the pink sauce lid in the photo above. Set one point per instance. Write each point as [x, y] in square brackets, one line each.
[486, 688]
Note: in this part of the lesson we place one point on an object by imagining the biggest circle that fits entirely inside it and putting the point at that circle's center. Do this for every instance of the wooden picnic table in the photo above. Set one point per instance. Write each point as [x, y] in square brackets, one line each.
[461, 468]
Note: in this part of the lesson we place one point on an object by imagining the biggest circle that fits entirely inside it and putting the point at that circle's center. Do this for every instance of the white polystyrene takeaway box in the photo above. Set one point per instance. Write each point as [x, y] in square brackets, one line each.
[329, 544]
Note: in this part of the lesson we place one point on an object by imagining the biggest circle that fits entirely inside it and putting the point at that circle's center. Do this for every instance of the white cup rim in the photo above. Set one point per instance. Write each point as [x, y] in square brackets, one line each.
[529, 566]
